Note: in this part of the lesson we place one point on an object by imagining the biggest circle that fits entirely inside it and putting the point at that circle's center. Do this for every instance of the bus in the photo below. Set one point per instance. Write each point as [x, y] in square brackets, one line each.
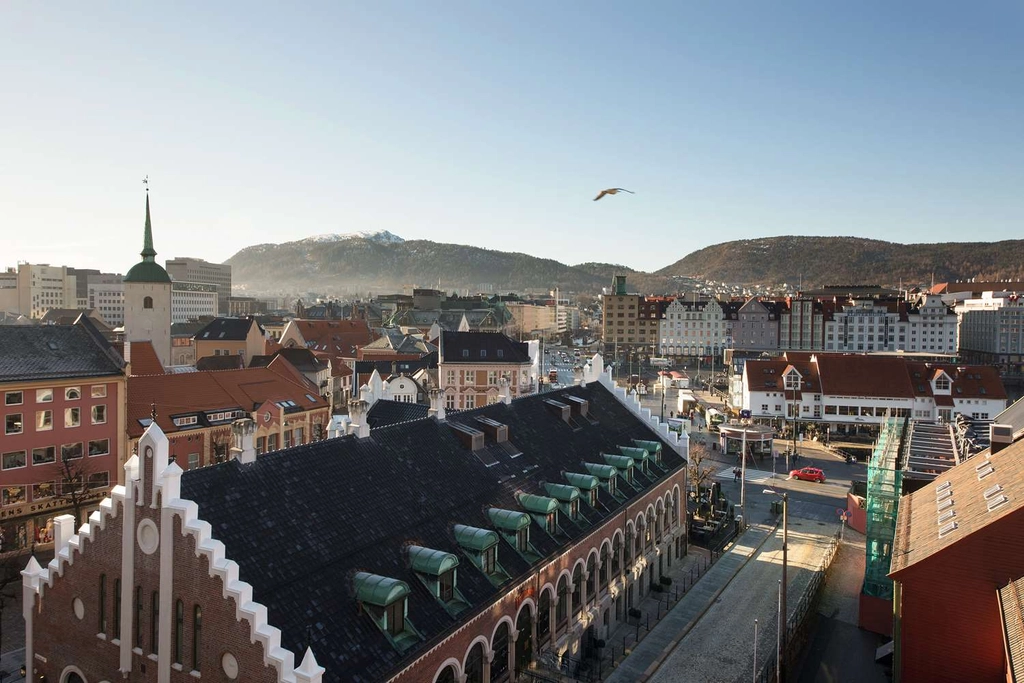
[714, 418]
[660, 362]
[553, 376]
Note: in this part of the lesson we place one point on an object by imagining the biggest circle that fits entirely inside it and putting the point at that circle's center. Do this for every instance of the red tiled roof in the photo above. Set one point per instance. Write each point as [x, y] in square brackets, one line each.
[144, 360]
[192, 392]
[850, 375]
[338, 337]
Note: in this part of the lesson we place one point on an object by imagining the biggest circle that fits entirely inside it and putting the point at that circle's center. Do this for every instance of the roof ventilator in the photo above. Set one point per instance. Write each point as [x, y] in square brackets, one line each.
[946, 528]
[945, 504]
[992, 490]
[946, 516]
[996, 502]
[984, 470]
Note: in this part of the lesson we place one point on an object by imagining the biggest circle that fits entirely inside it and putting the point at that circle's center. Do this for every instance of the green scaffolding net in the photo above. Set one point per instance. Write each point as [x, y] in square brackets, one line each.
[885, 483]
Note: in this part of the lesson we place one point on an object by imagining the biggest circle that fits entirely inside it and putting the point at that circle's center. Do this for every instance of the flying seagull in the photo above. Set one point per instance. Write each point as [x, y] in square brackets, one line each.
[612, 190]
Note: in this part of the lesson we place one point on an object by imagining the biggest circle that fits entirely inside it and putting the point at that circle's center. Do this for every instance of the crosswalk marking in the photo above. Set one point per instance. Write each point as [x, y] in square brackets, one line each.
[756, 476]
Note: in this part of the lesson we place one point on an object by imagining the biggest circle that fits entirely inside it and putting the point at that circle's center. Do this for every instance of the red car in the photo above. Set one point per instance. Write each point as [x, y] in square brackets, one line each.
[808, 474]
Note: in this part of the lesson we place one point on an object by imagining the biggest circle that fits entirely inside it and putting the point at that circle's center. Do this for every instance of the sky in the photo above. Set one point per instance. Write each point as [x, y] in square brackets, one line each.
[495, 124]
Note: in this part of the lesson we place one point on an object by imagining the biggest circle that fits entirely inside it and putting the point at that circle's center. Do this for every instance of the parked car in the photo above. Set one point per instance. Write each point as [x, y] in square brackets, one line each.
[807, 474]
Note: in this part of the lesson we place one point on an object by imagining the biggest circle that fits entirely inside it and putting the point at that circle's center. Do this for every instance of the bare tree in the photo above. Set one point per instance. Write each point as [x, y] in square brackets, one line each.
[699, 469]
[220, 444]
[10, 577]
[74, 482]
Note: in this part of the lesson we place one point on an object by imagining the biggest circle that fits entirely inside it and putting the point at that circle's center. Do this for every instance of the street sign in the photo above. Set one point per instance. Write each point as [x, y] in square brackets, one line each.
[745, 414]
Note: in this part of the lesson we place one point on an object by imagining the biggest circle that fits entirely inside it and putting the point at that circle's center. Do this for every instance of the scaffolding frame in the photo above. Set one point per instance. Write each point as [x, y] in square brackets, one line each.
[885, 485]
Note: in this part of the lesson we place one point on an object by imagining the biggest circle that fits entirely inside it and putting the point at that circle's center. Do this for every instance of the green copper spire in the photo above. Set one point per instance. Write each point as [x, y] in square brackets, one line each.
[148, 252]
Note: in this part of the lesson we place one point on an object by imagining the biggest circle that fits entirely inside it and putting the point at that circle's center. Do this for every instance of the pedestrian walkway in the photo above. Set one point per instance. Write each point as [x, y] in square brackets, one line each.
[651, 651]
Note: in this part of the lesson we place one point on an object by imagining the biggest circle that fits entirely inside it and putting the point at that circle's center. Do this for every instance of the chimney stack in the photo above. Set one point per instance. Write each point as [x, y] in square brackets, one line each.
[577, 375]
[1000, 436]
[436, 410]
[357, 410]
[504, 393]
[243, 440]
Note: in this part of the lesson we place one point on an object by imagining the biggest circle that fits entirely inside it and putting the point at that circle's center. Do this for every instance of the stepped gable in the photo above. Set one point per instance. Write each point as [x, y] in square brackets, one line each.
[301, 522]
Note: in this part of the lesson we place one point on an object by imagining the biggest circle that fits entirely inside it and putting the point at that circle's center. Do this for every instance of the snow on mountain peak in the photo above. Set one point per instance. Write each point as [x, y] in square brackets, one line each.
[381, 236]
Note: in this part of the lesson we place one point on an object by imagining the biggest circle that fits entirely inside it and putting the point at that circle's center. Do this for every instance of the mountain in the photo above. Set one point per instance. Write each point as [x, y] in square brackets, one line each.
[385, 262]
[849, 260]
[381, 261]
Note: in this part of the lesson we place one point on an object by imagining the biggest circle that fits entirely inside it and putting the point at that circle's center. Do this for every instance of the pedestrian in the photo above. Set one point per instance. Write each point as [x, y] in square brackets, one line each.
[735, 473]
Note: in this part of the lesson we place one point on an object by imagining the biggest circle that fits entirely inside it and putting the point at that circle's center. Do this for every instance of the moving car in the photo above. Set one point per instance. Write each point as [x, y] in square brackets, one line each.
[808, 474]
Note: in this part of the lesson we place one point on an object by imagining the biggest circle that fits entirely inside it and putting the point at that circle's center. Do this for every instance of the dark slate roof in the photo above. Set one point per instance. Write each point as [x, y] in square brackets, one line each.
[224, 363]
[482, 347]
[228, 329]
[56, 352]
[384, 413]
[303, 359]
[390, 367]
[301, 522]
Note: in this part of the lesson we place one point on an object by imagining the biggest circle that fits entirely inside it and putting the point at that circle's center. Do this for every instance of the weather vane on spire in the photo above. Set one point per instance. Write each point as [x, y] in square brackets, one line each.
[145, 181]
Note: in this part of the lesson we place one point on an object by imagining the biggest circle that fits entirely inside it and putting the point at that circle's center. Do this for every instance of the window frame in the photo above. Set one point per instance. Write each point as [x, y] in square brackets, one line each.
[98, 391]
[72, 417]
[44, 395]
[14, 423]
[8, 398]
[92, 414]
[69, 390]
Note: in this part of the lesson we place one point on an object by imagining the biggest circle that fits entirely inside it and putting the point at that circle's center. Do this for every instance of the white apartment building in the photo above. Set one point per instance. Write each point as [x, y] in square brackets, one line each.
[190, 300]
[187, 269]
[927, 325]
[108, 299]
[42, 287]
[992, 328]
[692, 328]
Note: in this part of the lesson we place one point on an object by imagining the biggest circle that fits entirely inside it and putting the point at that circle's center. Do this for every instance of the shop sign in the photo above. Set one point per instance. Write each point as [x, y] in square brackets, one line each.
[46, 505]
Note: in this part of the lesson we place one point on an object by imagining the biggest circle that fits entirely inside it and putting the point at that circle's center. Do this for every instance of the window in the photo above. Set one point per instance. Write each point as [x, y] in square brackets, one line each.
[272, 443]
[138, 617]
[43, 490]
[44, 395]
[14, 460]
[12, 424]
[574, 508]
[544, 614]
[489, 560]
[577, 589]
[179, 627]
[299, 436]
[451, 375]
[72, 417]
[99, 391]
[99, 447]
[72, 394]
[562, 607]
[99, 414]
[446, 586]
[261, 445]
[154, 621]
[469, 376]
[147, 302]
[103, 604]
[117, 608]
[99, 480]
[44, 420]
[193, 460]
[523, 540]
[593, 497]
[449, 401]
[395, 616]
[13, 398]
[197, 633]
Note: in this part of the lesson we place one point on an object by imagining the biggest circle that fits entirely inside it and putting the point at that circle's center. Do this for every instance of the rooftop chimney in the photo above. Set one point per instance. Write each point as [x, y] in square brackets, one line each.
[357, 410]
[243, 433]
[504, 393]
[436, 409]
[1000, 436]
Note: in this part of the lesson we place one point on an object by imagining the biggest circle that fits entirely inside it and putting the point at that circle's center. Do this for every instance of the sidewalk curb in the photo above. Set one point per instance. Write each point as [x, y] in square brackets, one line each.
[656, 664]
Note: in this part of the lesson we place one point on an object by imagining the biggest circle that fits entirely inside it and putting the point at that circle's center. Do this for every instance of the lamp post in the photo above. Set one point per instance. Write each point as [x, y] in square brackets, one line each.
[755, 651]
[782, 584]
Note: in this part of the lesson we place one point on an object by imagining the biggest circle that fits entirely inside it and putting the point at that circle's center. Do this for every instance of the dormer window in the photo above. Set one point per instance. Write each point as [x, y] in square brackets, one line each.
[593, 497]
[500, 353]
[386, 601]
[574, 509]
[489, 560]
[523, 539]
[446, 586]
[942, 383]
[551, 523]
[465, 353]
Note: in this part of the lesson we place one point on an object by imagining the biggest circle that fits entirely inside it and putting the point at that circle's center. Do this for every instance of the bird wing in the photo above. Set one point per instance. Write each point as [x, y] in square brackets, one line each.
[625, 190]
[600, 194]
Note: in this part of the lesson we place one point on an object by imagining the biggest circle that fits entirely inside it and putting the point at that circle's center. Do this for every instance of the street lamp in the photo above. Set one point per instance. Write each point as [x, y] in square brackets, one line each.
[755, 650]
[783, 584]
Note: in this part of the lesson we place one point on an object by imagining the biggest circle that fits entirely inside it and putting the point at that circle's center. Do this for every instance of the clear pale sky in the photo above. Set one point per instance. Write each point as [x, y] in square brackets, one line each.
[494, 124]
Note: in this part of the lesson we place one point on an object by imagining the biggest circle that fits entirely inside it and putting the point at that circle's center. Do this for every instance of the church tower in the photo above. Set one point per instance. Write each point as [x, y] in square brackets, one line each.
[147, 299]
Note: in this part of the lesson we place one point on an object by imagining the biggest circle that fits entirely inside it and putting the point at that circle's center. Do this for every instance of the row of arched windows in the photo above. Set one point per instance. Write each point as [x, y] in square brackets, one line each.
[142, 628]
[647, 528]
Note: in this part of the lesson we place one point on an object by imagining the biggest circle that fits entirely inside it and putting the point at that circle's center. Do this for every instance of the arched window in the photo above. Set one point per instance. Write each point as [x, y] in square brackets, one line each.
[103, 603]
[544, 614]
[179, 628]
[474, 666]
[147, 302]
[605, 562]
[447, 676]
[154, 621]
[592, 578]
[577, 589]
[117, 608]
[616, 547]
[629, 546]
[138, 617]
[197, 636]
[73, 677]
[499, 664]
[562, 608]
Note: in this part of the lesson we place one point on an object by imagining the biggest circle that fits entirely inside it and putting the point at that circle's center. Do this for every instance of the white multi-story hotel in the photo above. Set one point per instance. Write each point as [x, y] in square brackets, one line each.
[108, 299]
[191, 300]
[992, 328]
[691, 328]
[927, 325]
